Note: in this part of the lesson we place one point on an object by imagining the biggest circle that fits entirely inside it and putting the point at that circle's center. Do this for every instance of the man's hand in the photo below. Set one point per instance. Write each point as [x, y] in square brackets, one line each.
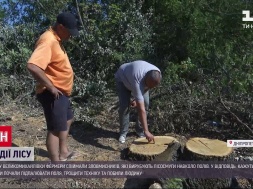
[55, 92]
[143, 119]
[133, 104]
[149, 136]
[41, 77]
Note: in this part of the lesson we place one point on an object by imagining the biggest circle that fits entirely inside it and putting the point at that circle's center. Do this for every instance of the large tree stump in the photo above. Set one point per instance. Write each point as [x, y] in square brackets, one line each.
[165, 148]
[204, 149]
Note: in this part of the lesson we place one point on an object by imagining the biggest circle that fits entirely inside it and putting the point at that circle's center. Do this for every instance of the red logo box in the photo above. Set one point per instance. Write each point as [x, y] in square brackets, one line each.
[5, 136]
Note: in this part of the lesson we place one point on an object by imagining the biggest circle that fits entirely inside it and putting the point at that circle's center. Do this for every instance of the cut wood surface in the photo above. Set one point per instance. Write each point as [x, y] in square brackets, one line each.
[143, 147]
[164, 149]
[205, 149]
[208, 147]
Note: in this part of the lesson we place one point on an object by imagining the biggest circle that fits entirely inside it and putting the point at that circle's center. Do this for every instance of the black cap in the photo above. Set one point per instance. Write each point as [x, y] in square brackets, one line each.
[69, 21]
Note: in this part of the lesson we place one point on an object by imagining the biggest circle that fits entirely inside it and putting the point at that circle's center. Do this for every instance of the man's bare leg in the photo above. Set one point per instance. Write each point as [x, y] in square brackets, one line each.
[69, 122]
[63, 139]
[52, 143]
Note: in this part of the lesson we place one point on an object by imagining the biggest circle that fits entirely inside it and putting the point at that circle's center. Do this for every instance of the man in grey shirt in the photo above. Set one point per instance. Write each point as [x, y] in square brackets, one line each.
[137, 78]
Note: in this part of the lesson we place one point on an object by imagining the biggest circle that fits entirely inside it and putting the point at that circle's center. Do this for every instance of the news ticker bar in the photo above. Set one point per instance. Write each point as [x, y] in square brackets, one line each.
[16, 154]
[126, 169]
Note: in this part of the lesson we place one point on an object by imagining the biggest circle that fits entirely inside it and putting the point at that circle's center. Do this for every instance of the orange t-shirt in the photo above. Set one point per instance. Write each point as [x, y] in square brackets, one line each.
[51, 57]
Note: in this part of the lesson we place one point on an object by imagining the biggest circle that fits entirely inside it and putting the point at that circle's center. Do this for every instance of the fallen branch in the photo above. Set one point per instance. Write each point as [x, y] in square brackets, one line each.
[79, 14]
[237, 119]
[113, 107]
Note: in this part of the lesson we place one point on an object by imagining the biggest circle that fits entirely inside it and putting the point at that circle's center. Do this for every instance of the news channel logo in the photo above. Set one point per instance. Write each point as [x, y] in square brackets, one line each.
[247, 18]
[5, 136]
[9, 153]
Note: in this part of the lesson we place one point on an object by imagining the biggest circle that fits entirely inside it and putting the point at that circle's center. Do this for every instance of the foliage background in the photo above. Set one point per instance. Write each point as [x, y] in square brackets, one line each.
[201, 47]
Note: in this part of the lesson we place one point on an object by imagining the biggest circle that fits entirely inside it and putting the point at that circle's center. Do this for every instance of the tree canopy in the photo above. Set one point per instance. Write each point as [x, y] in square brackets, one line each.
[187, 39]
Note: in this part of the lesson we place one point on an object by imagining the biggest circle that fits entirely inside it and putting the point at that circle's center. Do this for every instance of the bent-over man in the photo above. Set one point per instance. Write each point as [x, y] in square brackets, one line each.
[135, 78]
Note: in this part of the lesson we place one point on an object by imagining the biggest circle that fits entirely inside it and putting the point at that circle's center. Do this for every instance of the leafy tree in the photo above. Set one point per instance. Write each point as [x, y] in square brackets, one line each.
[111, 33]
[220, 45]
[185, 39]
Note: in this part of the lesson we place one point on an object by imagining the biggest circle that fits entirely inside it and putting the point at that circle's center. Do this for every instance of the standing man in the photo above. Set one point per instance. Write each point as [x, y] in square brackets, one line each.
[49, 64]
[137, 78]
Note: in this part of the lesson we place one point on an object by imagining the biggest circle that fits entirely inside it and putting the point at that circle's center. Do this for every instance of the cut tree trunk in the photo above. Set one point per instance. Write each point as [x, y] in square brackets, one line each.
[165, 148]
[204, 149]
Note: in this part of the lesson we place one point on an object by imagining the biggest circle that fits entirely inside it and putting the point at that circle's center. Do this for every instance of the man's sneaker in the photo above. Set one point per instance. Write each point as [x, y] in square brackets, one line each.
[122, 139]
[141, 134]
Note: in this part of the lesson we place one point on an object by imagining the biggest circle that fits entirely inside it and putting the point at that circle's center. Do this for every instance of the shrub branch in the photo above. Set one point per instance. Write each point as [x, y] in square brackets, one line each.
[236, 117]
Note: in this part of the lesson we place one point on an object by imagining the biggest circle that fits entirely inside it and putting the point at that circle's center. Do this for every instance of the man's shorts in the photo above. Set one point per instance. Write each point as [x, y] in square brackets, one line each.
[57, 111]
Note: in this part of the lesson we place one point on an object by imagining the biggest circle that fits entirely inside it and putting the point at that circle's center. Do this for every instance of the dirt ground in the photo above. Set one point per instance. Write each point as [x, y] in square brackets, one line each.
[95, 142]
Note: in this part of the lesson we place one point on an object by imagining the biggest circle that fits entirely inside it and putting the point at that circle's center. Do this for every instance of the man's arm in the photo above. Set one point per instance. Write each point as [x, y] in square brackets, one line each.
[143, 119]
[41, 77]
